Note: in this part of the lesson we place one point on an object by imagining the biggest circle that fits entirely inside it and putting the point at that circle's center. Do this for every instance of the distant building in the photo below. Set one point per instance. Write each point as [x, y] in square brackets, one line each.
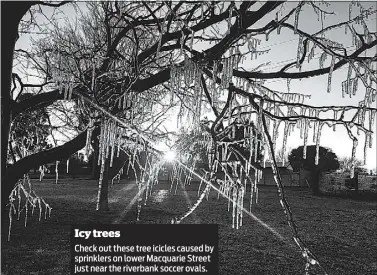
[288, 176]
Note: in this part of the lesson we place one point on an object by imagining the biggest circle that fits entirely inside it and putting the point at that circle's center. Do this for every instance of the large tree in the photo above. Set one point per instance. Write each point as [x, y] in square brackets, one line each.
[315, 159]
[327, 160]
[128, 60]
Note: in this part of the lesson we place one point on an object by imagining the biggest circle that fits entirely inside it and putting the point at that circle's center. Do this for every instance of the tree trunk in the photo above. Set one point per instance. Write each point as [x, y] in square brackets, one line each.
[95, 166]
[11, 14]
[315, 182]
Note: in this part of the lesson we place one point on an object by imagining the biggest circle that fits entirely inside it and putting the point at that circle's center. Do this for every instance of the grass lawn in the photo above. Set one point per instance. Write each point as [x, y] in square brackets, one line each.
[341, 232]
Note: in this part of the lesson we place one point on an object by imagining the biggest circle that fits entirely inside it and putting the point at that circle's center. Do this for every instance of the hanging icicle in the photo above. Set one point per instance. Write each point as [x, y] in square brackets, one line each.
[288, 83]
[285, 137]
[297, 14]
[56, 172]
[300, 50]
[348, 81]
[322, 59]
[317, 143]
[366, 145]
[333, 59]
[191, 40]
[306, 124]
[93, 75]
[229, 20]
[353, 157]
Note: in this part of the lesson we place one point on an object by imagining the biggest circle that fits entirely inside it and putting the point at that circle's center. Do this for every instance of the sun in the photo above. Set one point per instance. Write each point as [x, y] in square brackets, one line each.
[170, 156]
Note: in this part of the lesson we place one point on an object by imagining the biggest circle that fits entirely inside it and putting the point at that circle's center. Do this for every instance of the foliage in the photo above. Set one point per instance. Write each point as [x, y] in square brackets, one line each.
[346, 164]
[328, 160]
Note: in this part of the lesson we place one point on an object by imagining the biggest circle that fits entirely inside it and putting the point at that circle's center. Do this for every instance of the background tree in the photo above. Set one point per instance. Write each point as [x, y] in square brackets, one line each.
[328, 161]
[347, 164]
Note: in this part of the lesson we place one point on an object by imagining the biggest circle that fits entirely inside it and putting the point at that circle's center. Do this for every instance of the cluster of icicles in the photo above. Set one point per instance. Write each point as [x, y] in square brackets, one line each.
[111, 142]
[234, 184]
[237, 172]
[23, 198]
[189, 75]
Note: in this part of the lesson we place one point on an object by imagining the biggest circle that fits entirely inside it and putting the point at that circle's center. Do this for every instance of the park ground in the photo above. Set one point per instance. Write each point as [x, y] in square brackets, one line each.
[341, 232]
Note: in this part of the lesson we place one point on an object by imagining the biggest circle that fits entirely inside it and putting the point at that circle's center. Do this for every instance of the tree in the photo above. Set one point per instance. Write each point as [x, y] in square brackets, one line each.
[347, 164]
[131, 61]
[327, 160]
[12, 18]
[315, 159]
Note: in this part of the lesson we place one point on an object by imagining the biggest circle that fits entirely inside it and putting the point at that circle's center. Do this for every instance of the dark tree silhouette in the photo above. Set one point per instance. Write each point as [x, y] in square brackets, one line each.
[29, 132]
[328, 161]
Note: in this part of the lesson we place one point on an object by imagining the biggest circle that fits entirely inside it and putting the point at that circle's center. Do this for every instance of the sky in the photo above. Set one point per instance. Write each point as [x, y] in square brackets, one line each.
[283, 47]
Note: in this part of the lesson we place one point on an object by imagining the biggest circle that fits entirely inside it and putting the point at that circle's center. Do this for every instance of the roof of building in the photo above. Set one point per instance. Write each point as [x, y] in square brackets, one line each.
[286, 165]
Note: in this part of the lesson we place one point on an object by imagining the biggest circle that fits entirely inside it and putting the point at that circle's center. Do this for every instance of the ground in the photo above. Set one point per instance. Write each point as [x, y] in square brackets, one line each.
[341, 232]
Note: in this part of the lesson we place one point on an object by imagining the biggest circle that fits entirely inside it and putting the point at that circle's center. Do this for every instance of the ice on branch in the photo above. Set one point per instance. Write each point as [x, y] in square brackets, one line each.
[24, 199]
[300, 50]
[333, 60]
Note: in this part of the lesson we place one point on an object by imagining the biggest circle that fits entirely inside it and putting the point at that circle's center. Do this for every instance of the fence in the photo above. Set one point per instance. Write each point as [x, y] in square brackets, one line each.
[287, 178]
[336, 183]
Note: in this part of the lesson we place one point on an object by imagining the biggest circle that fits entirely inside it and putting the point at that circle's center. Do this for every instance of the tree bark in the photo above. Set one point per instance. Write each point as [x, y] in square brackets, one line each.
[315, 184]
[95, 166]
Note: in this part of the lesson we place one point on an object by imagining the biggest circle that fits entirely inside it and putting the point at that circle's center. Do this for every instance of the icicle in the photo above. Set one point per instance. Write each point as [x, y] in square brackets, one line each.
[330, 74]
[354, 145]
[192, 40]
[93, 75]
[285, 137]
[182, 42]
[66, 87]
[348, 85]
[371, 122]
[230, 18]
[232, 192]
[88, 137]
[299, 51]
[317, 143]
[101, 142]
[70, 91]
[367, 136]
[56, 172]
[288, 84]
[335, 118]
[322, 59]
[305, 137]
[311, 54]
[297, 13]
[275, 132]
[355, 86]
[315, 126]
